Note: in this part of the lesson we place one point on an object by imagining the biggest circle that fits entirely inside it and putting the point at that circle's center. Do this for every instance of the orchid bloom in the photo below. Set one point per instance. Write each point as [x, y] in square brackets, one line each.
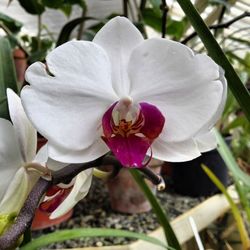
[122, 93]
[18, 143]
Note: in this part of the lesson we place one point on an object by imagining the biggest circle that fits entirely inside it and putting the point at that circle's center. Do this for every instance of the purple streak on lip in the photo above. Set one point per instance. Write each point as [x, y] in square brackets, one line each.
[131, 150]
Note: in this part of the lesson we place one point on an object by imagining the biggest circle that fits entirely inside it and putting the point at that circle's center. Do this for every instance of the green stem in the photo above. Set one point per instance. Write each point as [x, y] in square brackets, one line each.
[160, 213]
[39, 30]
[81, 27]
[237, 87]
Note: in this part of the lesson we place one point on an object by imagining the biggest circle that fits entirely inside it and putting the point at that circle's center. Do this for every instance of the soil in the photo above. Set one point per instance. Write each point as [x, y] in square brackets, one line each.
[95, 211]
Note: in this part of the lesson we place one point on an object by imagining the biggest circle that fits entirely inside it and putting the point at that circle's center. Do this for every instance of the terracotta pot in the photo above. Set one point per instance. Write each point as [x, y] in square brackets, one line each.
[126, 196]
[20, 60]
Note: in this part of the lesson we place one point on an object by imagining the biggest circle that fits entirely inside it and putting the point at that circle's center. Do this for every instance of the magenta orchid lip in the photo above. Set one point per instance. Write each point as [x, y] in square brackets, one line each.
[130, 129]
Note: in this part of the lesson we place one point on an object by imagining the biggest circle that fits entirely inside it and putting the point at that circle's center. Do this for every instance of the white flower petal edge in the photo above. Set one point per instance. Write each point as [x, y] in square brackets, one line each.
[175, 152]
[118, 38]
[70, 94]
[10, 155]
[97, 149]
[78, 192]
[17, 148]
[25, 133]
[42, 155]
[16, 193]
[206, 141]
[209, 126]
[185, 87]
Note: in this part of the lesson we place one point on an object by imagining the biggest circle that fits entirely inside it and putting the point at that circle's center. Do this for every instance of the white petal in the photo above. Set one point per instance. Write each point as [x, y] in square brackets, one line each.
[206, 141]
[42, 155]
[25, 132]
[208, 126]
[16, 193]
[175, 152]
[44, 160]
[97, 149]
[10, 156]
[67, 108]
[55, 165]
[119, 37]
[78, 192]
[185, 87]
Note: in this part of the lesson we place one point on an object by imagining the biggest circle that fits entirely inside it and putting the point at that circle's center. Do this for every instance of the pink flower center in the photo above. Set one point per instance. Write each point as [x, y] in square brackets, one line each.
[129, 129]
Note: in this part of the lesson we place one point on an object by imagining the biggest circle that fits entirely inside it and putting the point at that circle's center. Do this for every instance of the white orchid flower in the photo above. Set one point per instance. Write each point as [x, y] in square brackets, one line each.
[125, 94]
[18, 141]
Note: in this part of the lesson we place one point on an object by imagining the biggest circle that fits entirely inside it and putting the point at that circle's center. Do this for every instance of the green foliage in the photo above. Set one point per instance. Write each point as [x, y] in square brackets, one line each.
[63, 235]
[64, 5]
[176, 29]
[160, 213]
[241, 179]
[235, 84]
[152, 19]
[67, 29]
[34, 7]
[155, 5]
[227, 156]
[235, 210]
[37, 7]
[12, 24]
[7, 76]
[55, 4]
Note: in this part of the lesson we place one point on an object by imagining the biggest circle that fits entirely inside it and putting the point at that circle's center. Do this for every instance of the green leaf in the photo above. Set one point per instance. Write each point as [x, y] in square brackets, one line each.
[63, 235]
[227, 156]
[240, 40]
[12, 24]
[7, 76]
[152, 19]
[160, 213]
[81, 3]
[65, 33]
[236, 213]
[176, 28]
[33, 7]
[239, 121]
[66, 9]
[156, 6]
[55, 4]
[235, 84]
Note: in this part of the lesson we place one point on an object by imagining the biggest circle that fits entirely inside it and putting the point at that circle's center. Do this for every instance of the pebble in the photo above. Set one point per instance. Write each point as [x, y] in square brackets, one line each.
[95, 211]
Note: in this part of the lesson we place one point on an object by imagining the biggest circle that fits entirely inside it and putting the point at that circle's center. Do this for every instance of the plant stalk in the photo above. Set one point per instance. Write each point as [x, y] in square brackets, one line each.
[160, 213]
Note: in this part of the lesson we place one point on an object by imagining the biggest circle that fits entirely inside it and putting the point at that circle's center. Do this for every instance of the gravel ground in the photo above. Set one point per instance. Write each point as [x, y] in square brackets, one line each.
[95, 211]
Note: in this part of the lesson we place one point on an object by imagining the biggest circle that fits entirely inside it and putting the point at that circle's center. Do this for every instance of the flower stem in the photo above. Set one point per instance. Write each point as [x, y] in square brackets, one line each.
[39, 30]
[237, 87]
[160, 213]
[165, 10]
